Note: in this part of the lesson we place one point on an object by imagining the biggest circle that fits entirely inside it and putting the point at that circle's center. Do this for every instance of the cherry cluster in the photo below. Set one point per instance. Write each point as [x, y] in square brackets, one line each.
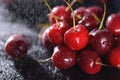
[80, 37]
[77, 37]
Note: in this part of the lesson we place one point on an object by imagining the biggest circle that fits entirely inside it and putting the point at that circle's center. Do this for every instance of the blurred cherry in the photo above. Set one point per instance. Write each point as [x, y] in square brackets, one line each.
[16, 45]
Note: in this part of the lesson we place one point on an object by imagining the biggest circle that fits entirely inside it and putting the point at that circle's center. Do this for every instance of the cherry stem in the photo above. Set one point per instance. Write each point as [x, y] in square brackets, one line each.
[96, 17]
[103, 64]
[73, 16]
[104, 14]
[46, 3]
[78, 16]
[68, 1]
[45, 60]
[71, 4]
[53, 16]
[27, 61]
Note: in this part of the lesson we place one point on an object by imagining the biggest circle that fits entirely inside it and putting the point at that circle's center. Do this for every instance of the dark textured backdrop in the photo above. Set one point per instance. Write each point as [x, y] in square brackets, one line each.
[34, 11]
[21, 17]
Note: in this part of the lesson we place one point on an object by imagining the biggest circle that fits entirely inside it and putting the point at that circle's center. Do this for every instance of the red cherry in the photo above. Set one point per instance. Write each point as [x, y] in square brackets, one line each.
[113, 24]
[56, 32]
[87, 61]
[114, 57]
[78, 13]
[62, 13]
[89, 21]
[45, 40]
[100, 40]
[16, 45]
[63, 57]
[76, 39]
[96, 10]
[117, 41]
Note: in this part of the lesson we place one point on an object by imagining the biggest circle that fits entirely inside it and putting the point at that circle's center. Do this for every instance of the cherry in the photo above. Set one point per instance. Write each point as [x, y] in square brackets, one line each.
[61, 13]
[16, 45]
[113, 24]
[89, 21]
[101, 40]
[63, 57]
[98, 11]
[76, 38]
[56, 32]
[78, 13]
[116, 41]
[45, 40]
[114, 57]
[89, 61]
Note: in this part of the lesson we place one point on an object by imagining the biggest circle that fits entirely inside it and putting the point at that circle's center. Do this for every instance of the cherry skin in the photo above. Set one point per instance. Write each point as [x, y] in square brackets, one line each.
[113, 24]
[62, 13]
[114, 57]
[101, 41]
[63, 57]
[98, 11]
[78, 13]
[89, 21]
[87, 61]
[117, 41]
[76, 39]
[16, 45]
[46, 42]
[56, 32]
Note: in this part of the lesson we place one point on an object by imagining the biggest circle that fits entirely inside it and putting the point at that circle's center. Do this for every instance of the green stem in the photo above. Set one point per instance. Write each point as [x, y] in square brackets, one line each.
[96, 17]
[73, 2]
[102, 64]
[45, 60]
[46, 3]
[104, 14]
[73, 13]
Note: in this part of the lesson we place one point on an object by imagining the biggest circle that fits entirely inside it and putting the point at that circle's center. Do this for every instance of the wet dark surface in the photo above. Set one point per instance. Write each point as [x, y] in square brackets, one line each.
[29, 68]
